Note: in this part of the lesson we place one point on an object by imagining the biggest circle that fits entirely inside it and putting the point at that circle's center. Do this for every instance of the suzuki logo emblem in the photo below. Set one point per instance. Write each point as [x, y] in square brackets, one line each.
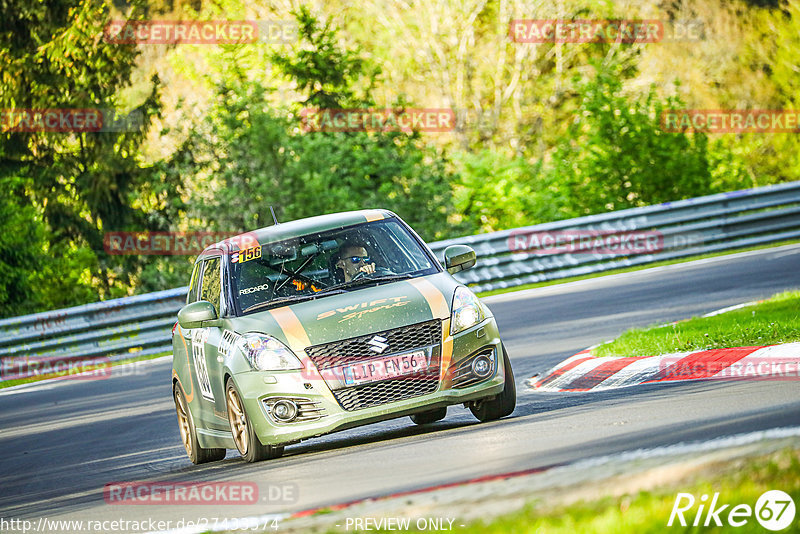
[378, 344]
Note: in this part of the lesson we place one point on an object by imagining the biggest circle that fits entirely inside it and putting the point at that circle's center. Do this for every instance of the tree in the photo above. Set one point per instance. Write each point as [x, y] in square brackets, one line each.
[247, 155]
[77, 184]
[616, 155]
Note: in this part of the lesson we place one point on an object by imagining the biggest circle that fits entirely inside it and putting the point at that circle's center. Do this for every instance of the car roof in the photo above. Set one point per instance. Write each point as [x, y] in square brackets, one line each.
[297, 228]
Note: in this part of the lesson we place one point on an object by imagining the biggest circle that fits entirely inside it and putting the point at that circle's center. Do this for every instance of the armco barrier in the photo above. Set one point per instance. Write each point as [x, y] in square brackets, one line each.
[114, 329]
[688, 227]
[140, 325]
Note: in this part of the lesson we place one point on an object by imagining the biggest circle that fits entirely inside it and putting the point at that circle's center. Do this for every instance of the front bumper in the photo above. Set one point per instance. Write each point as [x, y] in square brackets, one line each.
[261, 389]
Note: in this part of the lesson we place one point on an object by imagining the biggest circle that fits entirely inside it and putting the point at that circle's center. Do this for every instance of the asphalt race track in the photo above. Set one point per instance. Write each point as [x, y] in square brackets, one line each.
[63, 442]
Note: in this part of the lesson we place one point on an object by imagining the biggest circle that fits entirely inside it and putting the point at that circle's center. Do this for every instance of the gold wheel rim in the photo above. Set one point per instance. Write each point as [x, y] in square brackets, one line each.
[183, 422]
[238, 421]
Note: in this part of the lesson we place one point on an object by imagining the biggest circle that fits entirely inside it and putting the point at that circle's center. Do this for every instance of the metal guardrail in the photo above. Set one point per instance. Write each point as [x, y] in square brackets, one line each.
[140, 325]
[117, 329]
[690, 227]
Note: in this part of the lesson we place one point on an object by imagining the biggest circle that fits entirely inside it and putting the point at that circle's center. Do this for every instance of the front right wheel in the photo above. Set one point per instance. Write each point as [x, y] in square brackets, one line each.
[247, 443]
[501, 405]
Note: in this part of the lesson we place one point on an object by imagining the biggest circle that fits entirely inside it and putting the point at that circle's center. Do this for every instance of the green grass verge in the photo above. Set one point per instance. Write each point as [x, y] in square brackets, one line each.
[632, 269]
[64, 375]
[776, 320]
[645, 512]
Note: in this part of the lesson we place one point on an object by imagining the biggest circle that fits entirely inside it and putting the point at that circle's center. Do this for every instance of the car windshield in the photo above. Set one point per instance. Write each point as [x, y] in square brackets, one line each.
[319, 264]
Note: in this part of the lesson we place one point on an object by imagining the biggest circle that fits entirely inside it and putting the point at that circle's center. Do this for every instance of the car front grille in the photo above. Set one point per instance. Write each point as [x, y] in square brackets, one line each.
[357, 349]
[377, 393]
[400, 340]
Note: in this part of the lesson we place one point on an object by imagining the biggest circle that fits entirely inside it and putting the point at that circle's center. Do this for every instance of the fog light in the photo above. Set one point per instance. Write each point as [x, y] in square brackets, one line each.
[482, 366]
[284, 410]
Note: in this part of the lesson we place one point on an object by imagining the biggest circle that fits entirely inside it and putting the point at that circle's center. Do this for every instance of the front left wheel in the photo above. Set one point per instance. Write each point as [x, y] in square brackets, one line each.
[247, 443]
[196, 453]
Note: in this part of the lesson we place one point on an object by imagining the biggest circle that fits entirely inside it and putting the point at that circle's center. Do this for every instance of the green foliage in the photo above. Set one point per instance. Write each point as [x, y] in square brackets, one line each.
[771, 322]
[493, 191]
[328, 73]
[532, 146]
[616, 155]
[246, 155]
[22, 241]
[78, 185]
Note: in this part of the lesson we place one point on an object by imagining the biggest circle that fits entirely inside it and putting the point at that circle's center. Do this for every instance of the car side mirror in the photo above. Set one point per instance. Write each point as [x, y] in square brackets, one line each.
[192, 315]
[458, 258]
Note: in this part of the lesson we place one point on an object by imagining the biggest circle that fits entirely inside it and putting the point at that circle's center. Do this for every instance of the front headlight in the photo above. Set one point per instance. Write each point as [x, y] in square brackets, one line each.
[265, 353]
[467, 310]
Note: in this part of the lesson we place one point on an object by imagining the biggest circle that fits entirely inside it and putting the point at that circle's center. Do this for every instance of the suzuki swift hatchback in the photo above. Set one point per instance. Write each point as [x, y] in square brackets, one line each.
[324, 324]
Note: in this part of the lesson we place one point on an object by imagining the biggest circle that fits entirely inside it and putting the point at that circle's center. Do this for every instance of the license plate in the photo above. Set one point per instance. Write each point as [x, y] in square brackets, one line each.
[383, 368]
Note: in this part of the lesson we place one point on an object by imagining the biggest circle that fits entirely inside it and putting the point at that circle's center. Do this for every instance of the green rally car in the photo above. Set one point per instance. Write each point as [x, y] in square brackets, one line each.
[327, 323]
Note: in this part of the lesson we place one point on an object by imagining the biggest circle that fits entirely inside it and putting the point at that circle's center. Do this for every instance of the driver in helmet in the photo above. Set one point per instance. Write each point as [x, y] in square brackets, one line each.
[353, 259]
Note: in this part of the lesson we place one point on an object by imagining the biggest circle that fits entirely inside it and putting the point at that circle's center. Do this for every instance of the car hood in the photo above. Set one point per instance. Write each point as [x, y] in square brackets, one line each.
[355, 313]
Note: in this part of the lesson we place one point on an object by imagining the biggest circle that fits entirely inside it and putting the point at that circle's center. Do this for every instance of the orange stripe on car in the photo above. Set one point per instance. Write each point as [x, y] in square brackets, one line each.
[439, 310]
[435, 299]
[297, 338]
[447, 348]
[296, 335]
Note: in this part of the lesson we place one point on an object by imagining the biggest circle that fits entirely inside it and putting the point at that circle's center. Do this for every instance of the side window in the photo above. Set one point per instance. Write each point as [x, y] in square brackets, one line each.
[211, 282]
[193, 285]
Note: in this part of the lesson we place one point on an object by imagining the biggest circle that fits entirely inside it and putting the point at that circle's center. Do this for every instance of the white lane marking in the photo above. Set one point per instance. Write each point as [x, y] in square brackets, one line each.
[787, 253]
[568, 286]
[684, 447]
[731, 308]
[105, 415]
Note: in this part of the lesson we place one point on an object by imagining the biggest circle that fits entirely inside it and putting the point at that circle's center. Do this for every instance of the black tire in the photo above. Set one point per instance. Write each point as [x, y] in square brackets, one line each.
[247, 443]
[501, 405]
[196, 453]
[431, 416]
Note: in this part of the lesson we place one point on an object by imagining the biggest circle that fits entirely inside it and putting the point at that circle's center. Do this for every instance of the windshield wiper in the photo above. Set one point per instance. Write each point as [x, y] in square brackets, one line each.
[368, 280]
[291, 298]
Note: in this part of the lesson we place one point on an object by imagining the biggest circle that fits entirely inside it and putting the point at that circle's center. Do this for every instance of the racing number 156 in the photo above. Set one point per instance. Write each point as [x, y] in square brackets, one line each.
[250, 254]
